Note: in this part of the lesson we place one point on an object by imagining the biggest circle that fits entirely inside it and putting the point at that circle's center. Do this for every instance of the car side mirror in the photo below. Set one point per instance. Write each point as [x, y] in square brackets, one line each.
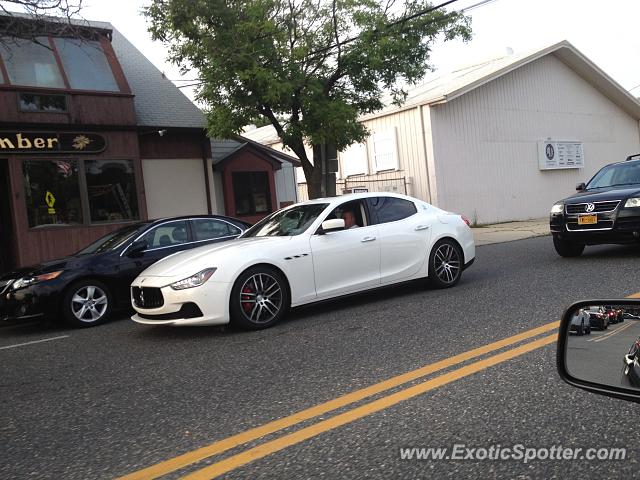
[137, 247]
[581, 186]
[332, 225]
[599, 347]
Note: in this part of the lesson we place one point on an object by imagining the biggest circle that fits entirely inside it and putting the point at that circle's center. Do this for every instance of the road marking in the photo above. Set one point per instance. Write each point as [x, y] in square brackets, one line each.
[611, 334]
[255, 433]
[35, 341]
[255, 453]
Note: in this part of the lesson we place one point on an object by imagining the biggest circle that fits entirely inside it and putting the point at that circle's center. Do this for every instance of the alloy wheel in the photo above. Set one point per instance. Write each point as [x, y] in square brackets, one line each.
[446, 262]
[89, 303]
[261, 298]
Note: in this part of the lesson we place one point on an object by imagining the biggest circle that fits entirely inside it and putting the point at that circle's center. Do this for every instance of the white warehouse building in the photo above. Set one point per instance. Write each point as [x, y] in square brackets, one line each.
[497, 141]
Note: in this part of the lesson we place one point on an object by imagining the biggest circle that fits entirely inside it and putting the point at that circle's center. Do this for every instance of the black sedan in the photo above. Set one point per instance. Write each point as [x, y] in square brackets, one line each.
[86, 287]
[605, 210]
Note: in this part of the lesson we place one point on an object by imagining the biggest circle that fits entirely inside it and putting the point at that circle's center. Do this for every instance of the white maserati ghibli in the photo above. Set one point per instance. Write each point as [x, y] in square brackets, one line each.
[304, 253]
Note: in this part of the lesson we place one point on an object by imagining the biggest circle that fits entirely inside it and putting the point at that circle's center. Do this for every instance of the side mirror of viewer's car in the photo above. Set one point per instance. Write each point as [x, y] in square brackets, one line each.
[580, 186]
[599, 347]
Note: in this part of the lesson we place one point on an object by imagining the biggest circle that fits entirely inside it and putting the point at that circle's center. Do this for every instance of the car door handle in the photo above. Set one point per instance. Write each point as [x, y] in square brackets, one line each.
[368, 239]
[422, 227]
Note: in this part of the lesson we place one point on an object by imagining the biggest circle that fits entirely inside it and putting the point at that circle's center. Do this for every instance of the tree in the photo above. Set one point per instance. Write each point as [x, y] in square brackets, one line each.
[310, 67]
[29, 19]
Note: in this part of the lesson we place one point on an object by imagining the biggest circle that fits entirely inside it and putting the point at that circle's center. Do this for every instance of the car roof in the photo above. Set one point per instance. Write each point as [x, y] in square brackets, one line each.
[358, 196]
[189, 217]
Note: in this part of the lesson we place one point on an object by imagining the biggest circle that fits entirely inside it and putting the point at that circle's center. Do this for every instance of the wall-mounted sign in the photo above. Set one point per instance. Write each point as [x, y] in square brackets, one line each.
[48, 142]
[555, 155]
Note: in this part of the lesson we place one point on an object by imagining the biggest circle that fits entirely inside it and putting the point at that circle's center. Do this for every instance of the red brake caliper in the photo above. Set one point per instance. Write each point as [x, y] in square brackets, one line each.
[247, 305]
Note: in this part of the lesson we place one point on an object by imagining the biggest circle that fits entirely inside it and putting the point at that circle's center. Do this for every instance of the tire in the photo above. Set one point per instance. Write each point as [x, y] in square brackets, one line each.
[605, 325]
[94, 297]
[567, 249]
[266, 285]
[445, 264]
[588, 330]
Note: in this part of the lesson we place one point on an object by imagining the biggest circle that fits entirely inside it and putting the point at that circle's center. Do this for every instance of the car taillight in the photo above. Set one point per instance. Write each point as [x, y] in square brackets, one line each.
[466, 220]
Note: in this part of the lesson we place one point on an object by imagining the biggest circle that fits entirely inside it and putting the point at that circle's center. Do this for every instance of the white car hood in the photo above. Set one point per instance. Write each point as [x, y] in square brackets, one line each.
[190, 262]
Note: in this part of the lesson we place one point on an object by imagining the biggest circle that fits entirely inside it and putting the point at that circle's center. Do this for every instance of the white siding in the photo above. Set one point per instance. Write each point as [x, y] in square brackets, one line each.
[217, 195]
[411, 151]
[286, 186]
[485, 142]
[174, 187]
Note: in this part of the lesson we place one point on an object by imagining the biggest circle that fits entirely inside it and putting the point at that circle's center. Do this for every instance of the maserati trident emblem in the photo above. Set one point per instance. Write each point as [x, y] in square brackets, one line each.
[141, 297]
[590, 207]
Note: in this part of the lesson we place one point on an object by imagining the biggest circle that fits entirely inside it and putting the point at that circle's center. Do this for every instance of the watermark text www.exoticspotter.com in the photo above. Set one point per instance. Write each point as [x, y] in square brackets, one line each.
[517, 452]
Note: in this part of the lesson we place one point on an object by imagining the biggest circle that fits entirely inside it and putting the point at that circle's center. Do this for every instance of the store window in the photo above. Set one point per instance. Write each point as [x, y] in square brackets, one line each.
[35, 102]
[86, 65]
[52, 192]
[111, 190]
[252, 193]
[31, 63]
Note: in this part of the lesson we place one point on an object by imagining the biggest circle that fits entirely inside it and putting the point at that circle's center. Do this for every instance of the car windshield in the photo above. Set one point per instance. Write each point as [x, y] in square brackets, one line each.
[620, 174]
[287, 222]
[112, 240]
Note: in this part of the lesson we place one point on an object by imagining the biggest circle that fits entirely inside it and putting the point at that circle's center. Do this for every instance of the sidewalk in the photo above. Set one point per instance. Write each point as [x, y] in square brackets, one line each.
[507, 232]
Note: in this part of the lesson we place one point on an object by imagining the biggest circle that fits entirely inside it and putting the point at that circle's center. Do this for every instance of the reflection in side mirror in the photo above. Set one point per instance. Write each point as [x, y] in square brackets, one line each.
[136, 248]
[332, 225]
[580, 186]
[599, 347]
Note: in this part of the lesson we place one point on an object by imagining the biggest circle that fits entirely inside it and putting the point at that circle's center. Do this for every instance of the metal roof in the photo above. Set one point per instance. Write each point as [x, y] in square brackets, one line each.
[454, 84]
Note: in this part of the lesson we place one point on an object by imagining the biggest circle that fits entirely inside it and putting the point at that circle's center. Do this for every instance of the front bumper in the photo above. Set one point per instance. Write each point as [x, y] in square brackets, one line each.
[207, 304]
[35, 301]
[620, 226]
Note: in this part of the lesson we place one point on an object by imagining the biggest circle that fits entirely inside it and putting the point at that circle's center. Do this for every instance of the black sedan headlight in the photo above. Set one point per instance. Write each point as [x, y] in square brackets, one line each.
[33, 279]
[632, 203]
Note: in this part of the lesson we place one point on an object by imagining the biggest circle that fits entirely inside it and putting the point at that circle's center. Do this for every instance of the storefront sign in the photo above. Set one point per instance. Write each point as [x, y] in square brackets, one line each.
[555, 155]
[48, 142]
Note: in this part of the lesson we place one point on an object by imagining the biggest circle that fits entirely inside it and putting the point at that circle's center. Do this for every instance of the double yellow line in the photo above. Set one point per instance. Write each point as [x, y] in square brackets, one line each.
[267, 448]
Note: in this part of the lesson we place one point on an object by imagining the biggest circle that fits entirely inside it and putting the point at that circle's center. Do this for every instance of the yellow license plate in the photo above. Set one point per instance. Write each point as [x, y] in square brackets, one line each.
[587, 219]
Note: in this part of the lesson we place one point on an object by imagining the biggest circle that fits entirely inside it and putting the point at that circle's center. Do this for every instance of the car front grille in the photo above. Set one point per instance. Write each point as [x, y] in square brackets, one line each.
[575, 208]
[147, 297]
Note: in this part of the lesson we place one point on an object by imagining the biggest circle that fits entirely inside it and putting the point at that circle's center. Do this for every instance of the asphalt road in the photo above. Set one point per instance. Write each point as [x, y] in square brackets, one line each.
[109, 401]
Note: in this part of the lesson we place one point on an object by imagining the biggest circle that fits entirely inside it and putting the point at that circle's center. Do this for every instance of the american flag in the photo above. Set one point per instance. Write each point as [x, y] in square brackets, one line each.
[64, 167]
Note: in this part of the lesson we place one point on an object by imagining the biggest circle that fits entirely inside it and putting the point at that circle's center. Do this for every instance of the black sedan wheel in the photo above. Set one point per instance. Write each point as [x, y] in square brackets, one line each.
[87, 304]
[259, 298]
[445, 264]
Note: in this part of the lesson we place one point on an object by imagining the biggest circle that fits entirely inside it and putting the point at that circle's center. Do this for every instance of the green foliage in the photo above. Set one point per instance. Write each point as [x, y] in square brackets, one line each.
[309, 67]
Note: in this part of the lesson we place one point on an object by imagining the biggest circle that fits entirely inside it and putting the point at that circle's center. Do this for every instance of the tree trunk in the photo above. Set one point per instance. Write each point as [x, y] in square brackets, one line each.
[314, 181]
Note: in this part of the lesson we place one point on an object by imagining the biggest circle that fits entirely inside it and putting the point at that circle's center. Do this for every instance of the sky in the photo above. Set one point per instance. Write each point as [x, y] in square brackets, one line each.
[606, 32]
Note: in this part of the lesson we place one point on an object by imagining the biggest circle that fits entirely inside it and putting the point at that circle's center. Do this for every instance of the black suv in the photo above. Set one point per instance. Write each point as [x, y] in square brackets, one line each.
[605, 210]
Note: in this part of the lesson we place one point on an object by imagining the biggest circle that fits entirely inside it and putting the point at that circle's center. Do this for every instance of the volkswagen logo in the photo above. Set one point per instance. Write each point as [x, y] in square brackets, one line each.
[590, 207]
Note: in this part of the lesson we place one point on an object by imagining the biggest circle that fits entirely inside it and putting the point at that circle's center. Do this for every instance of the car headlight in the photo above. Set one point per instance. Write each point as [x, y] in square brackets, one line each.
[194, 280]
[557, 208]
[632, 202]
[32, 279]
